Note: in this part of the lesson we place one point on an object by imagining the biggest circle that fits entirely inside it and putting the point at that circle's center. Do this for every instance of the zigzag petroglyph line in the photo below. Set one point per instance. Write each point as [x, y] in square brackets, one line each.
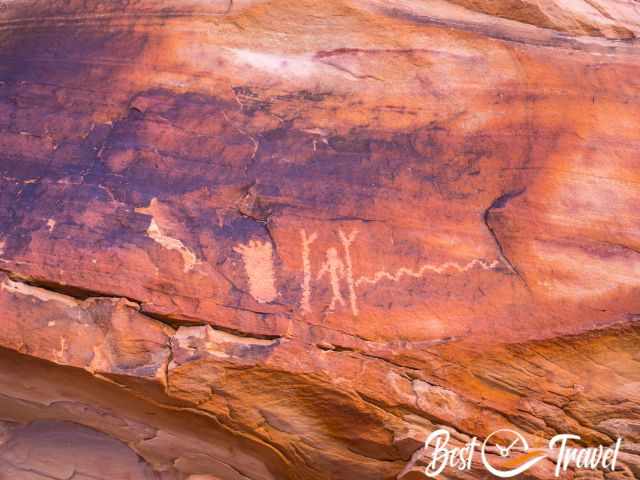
[440, 269]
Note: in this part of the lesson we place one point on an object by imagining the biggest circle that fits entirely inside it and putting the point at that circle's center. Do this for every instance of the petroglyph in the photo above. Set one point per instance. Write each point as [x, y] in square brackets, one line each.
[339, 270]
[439, 269]
[155, 233]
[333, 267]
[188, 257]
[305, 303]
[59, 354]
[258, 264]
[346, 244]
[336, 270]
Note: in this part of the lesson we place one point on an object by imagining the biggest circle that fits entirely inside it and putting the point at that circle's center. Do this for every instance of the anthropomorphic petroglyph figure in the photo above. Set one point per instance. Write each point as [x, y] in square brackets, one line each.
[335, 269]
[347, 240]
[305, 303]
[258, 264]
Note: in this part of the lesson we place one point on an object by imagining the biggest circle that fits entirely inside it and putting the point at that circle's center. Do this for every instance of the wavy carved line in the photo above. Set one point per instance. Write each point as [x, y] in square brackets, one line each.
[440, 269]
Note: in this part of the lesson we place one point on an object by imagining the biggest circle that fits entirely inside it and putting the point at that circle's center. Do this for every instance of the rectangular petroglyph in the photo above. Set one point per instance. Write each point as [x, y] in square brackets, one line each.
[258, 264]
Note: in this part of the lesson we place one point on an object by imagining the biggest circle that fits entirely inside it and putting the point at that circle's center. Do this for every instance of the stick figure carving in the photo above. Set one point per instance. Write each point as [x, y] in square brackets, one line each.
[305, 303]
[337, 270]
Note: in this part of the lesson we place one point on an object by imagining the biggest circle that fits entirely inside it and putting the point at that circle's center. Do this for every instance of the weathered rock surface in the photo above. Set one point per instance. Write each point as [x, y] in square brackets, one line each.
[287, 240]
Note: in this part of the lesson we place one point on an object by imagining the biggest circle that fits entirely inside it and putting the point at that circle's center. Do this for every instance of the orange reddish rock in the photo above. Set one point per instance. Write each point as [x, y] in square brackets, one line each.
[288, 240]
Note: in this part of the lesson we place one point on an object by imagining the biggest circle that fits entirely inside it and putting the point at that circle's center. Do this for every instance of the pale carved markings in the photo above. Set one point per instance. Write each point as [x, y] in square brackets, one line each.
[346, 245]
[258, 264]
[336, 269]
[305, 303]
[60, 353]
[188, 257]
[439, 269]
[154, 232]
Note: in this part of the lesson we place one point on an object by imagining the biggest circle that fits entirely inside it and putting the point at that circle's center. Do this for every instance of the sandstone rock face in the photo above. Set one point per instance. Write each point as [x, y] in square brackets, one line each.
[250, 239]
